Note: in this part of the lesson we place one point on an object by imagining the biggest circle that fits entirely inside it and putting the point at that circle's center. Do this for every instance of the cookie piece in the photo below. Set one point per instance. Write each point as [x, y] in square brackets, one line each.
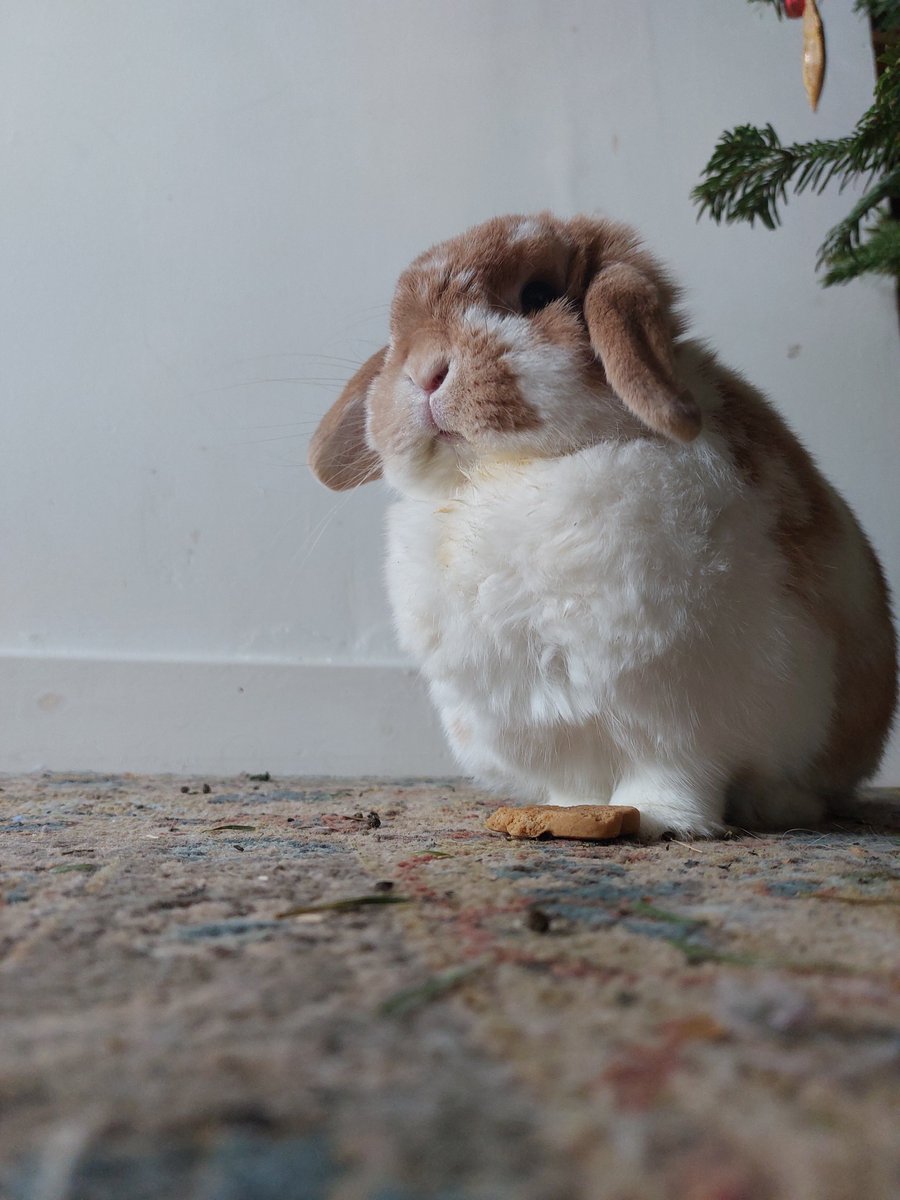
[590, 822]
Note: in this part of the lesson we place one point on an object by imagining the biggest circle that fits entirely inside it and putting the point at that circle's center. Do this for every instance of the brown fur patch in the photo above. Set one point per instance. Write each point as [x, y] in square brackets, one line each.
[772, 459]
[866, 690]
[498, 261]
[487, 396]
[811, 531]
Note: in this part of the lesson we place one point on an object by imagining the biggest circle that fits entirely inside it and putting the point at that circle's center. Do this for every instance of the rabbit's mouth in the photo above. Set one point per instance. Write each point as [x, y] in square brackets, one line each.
[448, 435]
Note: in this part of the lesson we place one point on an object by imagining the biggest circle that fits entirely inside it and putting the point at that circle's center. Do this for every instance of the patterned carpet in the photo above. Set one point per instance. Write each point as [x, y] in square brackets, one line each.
[350, 990]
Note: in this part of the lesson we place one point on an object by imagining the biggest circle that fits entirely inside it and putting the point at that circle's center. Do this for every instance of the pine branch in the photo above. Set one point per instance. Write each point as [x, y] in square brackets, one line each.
[746, 177]
[879, 254]
[877, 132]
[845, 237]
[750, 171]
[886, 12]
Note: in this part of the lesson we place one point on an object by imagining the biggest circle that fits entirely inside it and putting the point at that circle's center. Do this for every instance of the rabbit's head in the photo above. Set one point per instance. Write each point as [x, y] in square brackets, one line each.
[524, 337]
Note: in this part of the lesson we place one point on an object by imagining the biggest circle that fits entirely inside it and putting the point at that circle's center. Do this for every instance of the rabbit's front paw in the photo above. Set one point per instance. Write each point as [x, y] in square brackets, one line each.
[671, 802]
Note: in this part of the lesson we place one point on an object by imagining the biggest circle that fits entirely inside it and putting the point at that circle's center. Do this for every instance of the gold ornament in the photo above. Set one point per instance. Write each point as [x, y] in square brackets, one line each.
[813, 53]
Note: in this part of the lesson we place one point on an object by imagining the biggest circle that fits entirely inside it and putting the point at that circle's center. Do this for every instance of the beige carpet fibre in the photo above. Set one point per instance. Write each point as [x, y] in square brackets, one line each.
[295, 989]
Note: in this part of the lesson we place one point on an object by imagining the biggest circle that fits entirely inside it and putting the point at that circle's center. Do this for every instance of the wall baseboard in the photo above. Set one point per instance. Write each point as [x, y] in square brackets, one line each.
[107, 715]
[224, 718]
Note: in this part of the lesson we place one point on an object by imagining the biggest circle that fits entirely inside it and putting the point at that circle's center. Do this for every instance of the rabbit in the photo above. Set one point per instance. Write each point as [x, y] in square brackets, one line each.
[621, 574]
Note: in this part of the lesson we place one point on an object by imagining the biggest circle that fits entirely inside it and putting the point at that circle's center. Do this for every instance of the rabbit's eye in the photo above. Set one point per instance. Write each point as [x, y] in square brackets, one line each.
[537, 295]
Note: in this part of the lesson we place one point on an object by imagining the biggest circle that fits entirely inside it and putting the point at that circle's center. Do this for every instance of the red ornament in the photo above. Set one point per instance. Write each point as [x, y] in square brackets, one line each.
[794, 8]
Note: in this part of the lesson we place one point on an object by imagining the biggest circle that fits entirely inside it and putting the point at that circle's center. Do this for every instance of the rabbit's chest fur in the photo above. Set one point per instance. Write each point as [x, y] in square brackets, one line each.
[623, 586]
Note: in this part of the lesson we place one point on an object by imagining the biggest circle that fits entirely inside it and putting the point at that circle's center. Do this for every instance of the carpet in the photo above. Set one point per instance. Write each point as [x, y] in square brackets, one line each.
[297, 989]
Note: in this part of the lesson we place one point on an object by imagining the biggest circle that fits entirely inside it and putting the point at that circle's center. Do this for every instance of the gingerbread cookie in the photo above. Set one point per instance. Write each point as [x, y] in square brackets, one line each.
[590, 822]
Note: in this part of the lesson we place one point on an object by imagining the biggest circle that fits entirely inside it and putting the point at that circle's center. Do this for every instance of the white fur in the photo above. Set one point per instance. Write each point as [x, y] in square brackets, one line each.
[464, 279]
[612, 624]
[528, 227]
[435, 262]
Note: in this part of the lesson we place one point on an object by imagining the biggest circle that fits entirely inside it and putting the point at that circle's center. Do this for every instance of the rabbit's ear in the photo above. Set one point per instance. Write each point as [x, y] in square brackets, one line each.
[339, 455]
[631, 334]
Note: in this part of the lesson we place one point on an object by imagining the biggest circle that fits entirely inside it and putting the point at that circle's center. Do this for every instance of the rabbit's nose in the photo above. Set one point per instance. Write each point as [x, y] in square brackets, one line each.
[430, 378]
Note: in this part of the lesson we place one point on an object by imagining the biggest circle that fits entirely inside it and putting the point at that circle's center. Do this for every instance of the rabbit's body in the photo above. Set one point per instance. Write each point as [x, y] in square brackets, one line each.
[617, 624]
[675, 612]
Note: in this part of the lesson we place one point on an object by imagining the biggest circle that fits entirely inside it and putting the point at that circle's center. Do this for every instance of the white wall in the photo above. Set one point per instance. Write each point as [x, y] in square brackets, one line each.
[204, 206]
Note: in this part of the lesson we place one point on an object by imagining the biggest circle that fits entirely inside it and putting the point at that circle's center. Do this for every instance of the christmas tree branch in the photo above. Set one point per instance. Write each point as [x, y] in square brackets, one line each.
[751, 172]
[879, 254]
[845, 237]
